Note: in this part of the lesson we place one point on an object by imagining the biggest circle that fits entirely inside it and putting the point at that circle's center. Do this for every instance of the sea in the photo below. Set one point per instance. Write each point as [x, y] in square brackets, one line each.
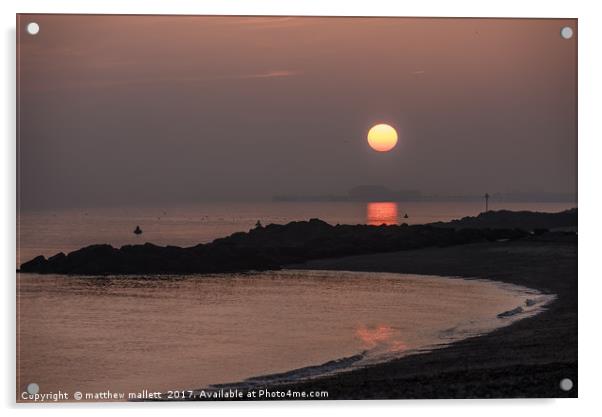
[169, 333]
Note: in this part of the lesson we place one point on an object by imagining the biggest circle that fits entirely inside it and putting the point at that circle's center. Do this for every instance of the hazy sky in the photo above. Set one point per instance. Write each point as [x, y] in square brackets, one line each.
[126, 110]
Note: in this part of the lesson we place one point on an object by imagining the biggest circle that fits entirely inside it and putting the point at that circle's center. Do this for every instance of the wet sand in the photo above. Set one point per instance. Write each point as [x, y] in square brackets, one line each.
[525, 359]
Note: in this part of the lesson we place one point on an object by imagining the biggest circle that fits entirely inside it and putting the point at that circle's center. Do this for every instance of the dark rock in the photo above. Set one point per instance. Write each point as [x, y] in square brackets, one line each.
[511, 313]
[525, 220]
[57, 258]
[263, 248]
[37, 264]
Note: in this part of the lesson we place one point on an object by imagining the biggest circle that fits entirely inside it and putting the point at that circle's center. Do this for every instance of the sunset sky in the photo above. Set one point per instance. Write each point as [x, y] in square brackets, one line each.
[140, 110]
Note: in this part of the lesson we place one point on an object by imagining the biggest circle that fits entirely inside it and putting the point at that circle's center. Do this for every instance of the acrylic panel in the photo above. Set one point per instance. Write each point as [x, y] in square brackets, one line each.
[295, 208]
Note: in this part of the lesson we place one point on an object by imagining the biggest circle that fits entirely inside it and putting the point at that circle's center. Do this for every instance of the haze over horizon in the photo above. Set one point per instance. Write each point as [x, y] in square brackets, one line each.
[121, 110]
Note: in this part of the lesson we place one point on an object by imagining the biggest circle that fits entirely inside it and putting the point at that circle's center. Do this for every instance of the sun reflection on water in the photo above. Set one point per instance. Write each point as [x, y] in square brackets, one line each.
[381, 336]
[378, 213]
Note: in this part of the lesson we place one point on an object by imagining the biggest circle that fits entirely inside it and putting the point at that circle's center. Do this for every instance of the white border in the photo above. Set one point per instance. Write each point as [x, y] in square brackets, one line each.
[590, 209]
[460, 8]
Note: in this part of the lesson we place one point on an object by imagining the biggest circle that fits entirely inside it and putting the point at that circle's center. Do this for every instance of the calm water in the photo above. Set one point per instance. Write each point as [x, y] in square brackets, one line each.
[130, 334]
[47, 233]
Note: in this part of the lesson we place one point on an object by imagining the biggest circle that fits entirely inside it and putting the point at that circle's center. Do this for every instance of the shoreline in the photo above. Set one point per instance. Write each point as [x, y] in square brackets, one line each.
[527, 358]
[532, 303]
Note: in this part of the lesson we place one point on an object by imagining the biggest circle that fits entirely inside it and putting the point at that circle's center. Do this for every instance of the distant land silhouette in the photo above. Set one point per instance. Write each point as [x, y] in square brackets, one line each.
[372, 193]
[273, 246]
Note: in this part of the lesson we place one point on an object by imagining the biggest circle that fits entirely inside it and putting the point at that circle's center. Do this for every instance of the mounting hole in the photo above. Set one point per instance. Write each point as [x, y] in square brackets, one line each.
[33, 388]
[33, 28]
[566, 384]
[566, 32]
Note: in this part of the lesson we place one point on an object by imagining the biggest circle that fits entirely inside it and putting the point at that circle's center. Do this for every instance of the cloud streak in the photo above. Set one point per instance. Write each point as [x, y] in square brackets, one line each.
[102, 83]
[267, 74]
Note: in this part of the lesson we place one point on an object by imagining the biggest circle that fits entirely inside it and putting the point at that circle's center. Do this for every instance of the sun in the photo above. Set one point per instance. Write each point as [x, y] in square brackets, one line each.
[382, 137]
